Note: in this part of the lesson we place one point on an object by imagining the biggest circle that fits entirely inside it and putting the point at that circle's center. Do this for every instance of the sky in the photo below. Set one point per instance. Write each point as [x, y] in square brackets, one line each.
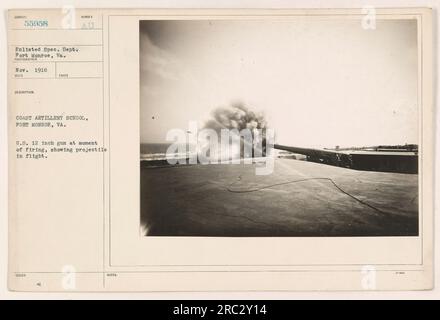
[320, 82]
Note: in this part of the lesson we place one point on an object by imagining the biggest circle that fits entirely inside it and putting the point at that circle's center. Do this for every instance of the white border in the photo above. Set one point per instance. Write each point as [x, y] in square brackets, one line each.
[206, 4]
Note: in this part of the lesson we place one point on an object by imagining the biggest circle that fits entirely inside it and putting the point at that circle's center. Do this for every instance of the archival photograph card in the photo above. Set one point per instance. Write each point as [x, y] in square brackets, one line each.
[220, 150]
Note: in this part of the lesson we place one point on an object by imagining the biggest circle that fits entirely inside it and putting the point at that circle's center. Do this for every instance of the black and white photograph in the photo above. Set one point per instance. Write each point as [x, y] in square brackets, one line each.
[282, 127]
[269, 150]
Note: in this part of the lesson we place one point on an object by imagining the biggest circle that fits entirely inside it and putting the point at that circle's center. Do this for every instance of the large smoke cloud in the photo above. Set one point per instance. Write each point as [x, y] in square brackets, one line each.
[238, 116]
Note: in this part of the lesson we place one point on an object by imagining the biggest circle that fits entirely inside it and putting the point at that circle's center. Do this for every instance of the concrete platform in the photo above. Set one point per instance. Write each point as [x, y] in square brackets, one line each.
[299, 199]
